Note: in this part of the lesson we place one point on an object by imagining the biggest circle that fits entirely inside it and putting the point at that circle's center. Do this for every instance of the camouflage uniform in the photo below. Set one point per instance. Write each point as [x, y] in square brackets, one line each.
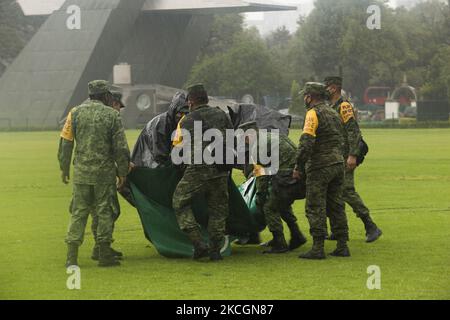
[276, 194]
[352, 139]
[204, 179]
[101, 151]
[320, 156]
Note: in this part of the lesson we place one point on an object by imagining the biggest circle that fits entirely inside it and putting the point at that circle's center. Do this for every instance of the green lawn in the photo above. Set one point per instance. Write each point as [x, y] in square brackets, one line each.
[405, 181]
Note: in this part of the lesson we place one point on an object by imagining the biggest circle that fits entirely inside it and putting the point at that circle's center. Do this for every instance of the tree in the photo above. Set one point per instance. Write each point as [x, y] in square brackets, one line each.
[335, 37]
[297, 104]
[245, 68]
[223, 32]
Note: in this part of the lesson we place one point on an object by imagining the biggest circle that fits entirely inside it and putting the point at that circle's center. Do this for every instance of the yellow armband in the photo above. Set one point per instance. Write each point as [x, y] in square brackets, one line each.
[311, 123]
[67, 131]
[347, 112]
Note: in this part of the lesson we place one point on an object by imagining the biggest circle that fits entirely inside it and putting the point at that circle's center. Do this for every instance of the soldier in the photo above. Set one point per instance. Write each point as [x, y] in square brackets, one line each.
[276, 193]
[352, 140]
[153, 147]
[320, 156]
[117, 105]
[209, 180]
[101, 152]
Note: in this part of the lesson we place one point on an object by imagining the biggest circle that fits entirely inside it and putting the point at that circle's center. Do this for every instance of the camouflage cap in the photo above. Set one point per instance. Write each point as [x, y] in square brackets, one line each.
[196, 89]
[248, 126]
[315, 88]
[98, 87]
[333, 80]
[117, 96]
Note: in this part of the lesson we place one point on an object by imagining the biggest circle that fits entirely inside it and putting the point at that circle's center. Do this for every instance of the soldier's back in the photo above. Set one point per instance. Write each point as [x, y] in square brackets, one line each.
[327, 150]
[93, 124]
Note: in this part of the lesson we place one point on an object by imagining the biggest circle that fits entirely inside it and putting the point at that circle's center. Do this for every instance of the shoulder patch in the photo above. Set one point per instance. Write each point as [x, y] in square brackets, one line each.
[259, 171]
[346, 112]
[311, 123]
[67, 131]
[178, 138]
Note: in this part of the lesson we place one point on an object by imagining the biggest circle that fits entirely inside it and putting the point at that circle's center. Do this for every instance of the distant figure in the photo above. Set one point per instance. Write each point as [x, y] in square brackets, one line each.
[102, 155]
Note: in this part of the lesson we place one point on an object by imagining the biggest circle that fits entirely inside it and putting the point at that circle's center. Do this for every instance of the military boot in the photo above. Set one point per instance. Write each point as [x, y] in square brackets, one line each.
[317, 252]
[254, 239]
[331, 237]
[279, 244]
[96, 253]
[214, 251]
[106, 258]
[297, 237]
[373, 233]
[268, 243]
[342, 250]
[72, 255]
[200, 248]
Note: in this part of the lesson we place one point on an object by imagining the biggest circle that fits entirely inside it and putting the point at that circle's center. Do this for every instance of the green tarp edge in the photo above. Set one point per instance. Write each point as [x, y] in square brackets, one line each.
[153, 190]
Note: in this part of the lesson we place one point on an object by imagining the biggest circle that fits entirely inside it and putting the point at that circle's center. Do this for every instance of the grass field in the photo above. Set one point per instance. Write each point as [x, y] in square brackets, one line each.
[405, 181]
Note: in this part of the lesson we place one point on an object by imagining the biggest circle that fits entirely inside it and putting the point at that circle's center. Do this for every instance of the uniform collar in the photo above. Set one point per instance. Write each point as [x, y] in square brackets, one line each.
[339, 102]
[200, 107]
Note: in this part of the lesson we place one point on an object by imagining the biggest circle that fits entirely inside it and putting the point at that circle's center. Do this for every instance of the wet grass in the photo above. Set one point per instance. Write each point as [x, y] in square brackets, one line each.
[405, 182]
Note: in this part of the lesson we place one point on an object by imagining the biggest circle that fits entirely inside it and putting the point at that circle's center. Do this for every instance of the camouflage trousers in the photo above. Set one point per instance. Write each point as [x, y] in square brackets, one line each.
[116, 214]
[324, 188]
[352, 197]
[94, 224]
[278, 206]
[215, 189]
[96, 199]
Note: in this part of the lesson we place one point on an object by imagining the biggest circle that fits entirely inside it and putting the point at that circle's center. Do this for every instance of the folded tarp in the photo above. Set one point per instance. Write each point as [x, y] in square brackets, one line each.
[152, 190]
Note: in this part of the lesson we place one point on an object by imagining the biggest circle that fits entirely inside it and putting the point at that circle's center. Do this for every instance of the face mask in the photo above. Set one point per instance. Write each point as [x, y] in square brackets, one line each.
[307, 101]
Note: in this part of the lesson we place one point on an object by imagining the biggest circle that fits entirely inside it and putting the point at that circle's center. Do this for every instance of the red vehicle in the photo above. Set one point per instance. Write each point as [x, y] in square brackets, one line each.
[377, 95]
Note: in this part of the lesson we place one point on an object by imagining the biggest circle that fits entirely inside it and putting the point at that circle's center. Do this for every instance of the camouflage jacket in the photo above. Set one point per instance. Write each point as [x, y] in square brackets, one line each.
[352, 133]
[322, 141]
[211, 118]
[287, 153]
[96, 135]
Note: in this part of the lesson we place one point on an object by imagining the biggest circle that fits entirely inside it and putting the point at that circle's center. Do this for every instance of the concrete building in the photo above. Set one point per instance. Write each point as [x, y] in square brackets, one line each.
[82, 40]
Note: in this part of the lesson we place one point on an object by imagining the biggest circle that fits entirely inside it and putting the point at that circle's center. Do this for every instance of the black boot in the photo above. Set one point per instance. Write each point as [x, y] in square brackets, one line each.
[331, 237]
[317, 252]
[200, 248]
[279, 245]
[297, 237]
[106, 258]
[96, 252]
[342, 250]
[214, 251]
[254, 239]
[72, 255]
[373, 233]
[268, 243]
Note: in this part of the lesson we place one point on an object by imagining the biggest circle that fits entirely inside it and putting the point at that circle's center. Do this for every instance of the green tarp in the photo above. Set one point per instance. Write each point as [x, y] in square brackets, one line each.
[153, 189]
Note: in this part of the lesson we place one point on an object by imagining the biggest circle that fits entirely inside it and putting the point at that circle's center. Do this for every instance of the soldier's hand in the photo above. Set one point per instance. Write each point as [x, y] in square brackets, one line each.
[131, 167]
[121, 182]
[351, 163]
[296, 175]
[65, 178]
